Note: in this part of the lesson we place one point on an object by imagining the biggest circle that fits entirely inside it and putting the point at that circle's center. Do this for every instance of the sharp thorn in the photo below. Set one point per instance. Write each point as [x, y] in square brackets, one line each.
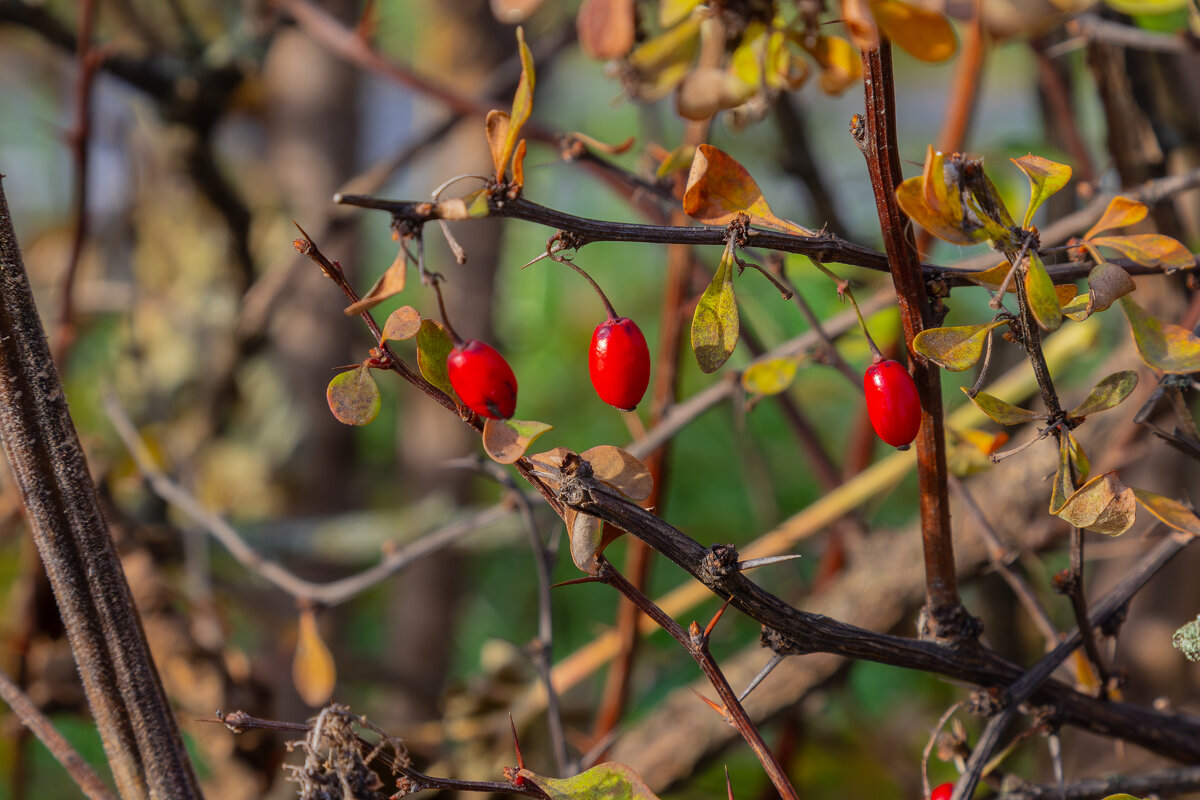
[771, 664]
[713, 623]
[754, 563]
[719, 709]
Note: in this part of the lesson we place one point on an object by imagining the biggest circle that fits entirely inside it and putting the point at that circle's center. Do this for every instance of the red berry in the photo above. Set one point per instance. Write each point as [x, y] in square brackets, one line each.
[619, 362]
[483, 379]
[892, 403]
[943, 791]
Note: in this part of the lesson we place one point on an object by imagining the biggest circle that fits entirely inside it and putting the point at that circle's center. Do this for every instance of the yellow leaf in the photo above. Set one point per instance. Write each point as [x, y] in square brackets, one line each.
[840, 63]
[769, 377]
[955, 348]
[1039, 290]
[1171, 512]
[715, 322]
[1000, 411]
[1150, 250]
[911, 195]
[1083, 466]
[993, 277]
[1103, 504]
[923, 34]
[506, 440]
[1121, 211]
[522, 105]
[659, 64]
[1162, 345]
[671, 12]
[1045, 178]
[677, 160]
[313, 670]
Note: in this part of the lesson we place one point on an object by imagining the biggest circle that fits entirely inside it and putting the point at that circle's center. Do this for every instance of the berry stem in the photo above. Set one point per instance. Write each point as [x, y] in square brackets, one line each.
[454, 337]
[608, 307]
[844, 290]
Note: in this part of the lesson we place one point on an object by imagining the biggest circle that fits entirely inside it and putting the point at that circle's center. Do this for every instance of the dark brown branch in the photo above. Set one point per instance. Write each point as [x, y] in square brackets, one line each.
[945, 619]
[1165, 783]
[72, 537]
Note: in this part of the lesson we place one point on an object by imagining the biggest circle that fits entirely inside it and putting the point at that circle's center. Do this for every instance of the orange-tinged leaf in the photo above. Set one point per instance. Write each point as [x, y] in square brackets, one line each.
[1065, 293]
[390, 284]
[840, 63]
[857, 19]
[922, 34]
[620, 470]
[353, 396]
[1086, 679]
[986, 442]
[606, 28]
[912, 198]
[715, 323]
[585, 532]
[1150, 250]
[433, 348]
[1106, 394]
[719, 188]
[993, 277]
[1170, 512]
[1039, 290]
[518, 165]
[955, 348]
[1121, 211]
[607, 781]
[496, 126]
[1045, 178]
[522, 105]
[1103, 504]
[313, 670]
[769, 377]
[1000, 411]
[506, 440]
[403, 323]
[1162, 345]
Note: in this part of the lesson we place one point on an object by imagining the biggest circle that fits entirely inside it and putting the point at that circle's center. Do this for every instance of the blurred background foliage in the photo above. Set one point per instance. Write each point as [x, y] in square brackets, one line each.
[193, 308]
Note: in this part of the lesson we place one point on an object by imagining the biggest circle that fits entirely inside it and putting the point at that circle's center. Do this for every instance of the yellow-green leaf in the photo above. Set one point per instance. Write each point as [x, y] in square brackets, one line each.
[1063, 486]
[1045, 178]
[1170, 512]
[719, 188]
[1039, 289]
[620, 470]
[353, 396]
[769, 377]
[678, 160]
[955, 348]
[659, 64]
[1150, 250]
[403, 323]
[671, 12]
[1162, 345]
[1106, 394]
[922, 34]
[1103, 504]
[433, 348]
[506, 440]
[715, 322]
[999, 411]
[608, 781]
[1121, 212]
[522, 106]
[313, 671]
[746, 61]
[1076, 308]
[1079, 457]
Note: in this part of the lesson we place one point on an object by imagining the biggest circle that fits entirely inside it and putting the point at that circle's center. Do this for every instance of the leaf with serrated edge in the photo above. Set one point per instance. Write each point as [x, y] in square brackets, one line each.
[403, 323]
[506, 440]
[719, 188]
[433, 348]
[1045, 178]
[922, 34]
[1107, 283]
[1170, 512]
[390, 283]
[1121, 212]
[1063, 486]
[1039, 289]
[769, 377]
[999, 411]
[313, 671]
[607, 781]
[955, 348]
[1106, 394]
[353, 397]
[585, 532]
[620, 470]
[715, 321]
[1103, 504]
[1150, 250]
[1162, 345]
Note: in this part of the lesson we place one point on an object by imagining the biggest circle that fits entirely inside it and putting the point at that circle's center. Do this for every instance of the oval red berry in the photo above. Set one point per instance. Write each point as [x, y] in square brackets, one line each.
[942, 792]
[482, 379]
[892, 403]
[619, 362]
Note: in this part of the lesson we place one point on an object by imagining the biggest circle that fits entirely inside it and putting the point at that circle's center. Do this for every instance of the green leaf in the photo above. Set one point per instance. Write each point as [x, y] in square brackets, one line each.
[1170, 512]
[1162, 345]
[1103, 504]
[433, 348]
[999, 411]
[1187, 641]
[769, 377]
[353, 396]
[1039, 289]
[608, 781]
[1063, 486]
[956, 348]
[1106, 394]
[403, 323]
[506, 440]
[1150, 250]
[715, 323]
[1045, 178]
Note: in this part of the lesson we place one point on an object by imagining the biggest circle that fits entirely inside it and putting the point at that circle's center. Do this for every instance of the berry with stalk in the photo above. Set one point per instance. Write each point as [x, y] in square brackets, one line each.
[893, 404]
[481, 377]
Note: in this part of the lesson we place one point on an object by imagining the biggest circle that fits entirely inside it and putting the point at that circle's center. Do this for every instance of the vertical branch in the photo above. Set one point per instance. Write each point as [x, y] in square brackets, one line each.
[945, 618]
[123, 689]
